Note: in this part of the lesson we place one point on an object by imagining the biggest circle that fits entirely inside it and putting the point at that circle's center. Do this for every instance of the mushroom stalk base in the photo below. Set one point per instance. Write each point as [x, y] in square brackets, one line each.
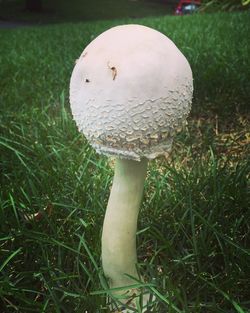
[119, 256]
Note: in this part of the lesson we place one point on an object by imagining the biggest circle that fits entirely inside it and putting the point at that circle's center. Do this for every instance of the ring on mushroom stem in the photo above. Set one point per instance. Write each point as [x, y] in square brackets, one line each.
[133, 114]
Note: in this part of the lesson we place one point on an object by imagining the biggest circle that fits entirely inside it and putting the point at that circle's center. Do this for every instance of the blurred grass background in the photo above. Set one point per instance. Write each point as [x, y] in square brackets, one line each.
[82, 10]
[61, 11]
[193, 232]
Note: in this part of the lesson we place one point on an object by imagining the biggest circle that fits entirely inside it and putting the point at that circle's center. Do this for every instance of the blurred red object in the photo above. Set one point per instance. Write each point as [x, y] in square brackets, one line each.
[187, 7]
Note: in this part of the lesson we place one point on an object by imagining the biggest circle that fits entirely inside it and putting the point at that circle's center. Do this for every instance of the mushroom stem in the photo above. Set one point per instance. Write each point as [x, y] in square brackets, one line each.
[119, 256]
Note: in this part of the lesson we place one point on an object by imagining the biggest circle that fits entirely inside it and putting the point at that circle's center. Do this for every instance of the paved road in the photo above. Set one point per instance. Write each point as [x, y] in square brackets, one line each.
[9, 25]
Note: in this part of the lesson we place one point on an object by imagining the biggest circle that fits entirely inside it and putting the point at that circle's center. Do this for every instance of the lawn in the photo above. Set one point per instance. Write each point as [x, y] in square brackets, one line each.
[193, 238]
[82, 10]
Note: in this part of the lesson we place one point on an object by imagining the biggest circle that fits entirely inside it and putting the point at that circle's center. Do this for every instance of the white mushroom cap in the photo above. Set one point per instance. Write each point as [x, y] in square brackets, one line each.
[130, 91]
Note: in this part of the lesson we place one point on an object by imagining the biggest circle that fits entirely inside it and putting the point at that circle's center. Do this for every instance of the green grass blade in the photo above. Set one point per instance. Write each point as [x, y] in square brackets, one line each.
[9, 258]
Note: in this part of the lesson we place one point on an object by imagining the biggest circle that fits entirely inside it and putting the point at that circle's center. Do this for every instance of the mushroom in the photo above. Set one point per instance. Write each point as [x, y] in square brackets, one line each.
[130, 92]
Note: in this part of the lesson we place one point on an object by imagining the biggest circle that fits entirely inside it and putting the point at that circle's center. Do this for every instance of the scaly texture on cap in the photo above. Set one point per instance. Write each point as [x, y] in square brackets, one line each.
[130, 91]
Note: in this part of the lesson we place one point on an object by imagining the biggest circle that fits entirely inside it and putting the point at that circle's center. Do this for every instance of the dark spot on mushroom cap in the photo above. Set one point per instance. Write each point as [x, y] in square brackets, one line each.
[114, 70]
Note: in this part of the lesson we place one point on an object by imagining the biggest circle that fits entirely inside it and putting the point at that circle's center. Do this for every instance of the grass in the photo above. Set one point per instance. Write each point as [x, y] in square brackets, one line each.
[79, 10]
[193, 232]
